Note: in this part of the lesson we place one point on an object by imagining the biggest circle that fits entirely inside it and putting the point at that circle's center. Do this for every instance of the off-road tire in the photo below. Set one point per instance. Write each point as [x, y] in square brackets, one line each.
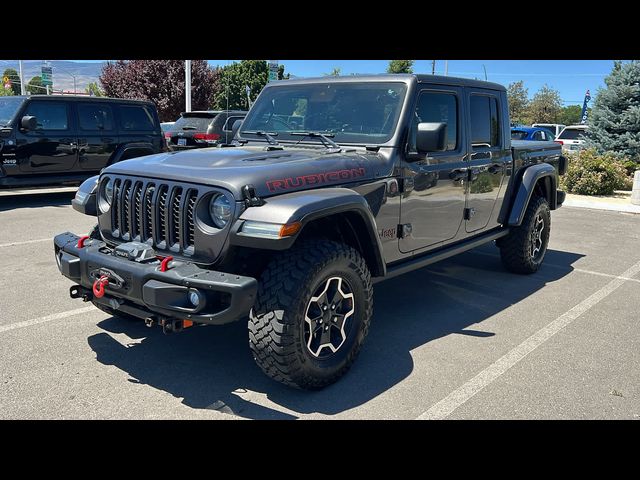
[515, 248]
[277, 320]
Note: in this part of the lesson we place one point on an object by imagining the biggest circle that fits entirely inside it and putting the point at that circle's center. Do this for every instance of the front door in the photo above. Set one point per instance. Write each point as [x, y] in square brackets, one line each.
[433, 200]
[488, 157]
[52, 147]
[97, 136]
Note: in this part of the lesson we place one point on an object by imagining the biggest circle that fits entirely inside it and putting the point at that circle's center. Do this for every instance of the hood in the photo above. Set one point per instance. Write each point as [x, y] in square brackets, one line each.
[270, 172]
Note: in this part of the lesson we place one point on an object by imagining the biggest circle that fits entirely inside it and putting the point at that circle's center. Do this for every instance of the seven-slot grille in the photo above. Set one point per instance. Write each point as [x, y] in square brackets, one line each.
[154, 212]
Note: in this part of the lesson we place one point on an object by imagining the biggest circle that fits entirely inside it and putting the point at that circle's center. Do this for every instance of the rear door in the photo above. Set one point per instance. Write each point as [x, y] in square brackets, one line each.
[97, 138]
[52, 147]
[488, 156]
[434, 198]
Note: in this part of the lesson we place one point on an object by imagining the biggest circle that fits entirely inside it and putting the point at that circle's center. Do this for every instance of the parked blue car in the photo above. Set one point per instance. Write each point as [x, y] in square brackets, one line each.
[532, 133]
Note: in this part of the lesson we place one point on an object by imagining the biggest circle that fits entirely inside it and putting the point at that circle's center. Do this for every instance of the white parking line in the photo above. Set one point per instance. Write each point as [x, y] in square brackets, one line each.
[26, 242]
[458, 397]
[48, 318]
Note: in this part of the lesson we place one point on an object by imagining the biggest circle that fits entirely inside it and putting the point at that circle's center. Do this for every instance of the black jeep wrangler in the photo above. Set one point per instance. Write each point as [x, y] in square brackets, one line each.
[292, 224]
[65, 139]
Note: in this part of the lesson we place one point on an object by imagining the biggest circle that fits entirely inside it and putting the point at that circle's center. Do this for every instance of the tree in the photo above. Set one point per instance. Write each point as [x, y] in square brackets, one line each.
[518, 97]
[235, 78]
[35, 87]
[614, 123]
[400, 66]
[5, 92]
[570, 115]
[545, 106]
[162, 82]
[14, 78]
[94, 89]
[281, 75]
[333, 73]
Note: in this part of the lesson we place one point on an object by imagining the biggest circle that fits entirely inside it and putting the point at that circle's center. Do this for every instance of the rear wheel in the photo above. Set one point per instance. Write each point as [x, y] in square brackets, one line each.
[523, 250]
[312, 314]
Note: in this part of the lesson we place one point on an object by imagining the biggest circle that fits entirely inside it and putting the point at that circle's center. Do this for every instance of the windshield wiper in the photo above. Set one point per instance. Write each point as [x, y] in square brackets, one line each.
[324, 138]
[268, 135]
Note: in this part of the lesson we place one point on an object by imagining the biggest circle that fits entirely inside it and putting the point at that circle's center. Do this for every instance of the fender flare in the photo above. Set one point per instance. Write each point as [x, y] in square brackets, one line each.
[119, 153]
[529, 180]
[305, 207]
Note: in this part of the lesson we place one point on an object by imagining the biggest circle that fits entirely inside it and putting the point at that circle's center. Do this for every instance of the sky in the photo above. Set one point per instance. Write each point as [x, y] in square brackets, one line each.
[571, 78]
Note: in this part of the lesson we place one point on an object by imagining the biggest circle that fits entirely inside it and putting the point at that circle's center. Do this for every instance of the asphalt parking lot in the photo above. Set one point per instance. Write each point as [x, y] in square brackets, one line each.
[462, 339]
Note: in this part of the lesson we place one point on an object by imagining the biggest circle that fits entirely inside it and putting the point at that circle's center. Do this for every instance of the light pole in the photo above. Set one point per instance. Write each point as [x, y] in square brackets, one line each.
[187, 85]
[22, 89]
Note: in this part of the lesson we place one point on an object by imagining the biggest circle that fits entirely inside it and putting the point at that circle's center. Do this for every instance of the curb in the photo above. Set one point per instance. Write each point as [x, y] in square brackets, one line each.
[615, 207]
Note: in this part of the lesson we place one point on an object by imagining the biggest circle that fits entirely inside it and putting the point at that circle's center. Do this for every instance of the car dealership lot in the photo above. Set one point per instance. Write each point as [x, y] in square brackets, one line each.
[462, 339]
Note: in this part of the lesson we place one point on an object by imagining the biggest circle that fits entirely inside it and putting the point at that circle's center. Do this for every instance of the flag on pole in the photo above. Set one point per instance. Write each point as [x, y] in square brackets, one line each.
[587, 99]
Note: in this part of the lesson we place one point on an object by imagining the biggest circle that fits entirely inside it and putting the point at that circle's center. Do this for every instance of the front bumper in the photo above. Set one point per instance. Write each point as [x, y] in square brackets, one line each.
[141, 289]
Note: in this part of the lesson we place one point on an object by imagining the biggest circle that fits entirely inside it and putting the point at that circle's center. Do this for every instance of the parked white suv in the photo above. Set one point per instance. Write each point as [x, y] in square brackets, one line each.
[572, 137]
[555, 128]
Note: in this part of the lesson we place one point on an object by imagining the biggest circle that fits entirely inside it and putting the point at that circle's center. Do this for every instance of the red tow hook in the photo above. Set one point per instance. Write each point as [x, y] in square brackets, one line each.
[164, 265]
[81, 241]
[98, 286]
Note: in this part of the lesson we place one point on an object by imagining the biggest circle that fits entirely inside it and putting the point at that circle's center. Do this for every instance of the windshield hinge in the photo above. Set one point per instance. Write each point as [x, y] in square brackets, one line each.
[250, 197]
[372, 148]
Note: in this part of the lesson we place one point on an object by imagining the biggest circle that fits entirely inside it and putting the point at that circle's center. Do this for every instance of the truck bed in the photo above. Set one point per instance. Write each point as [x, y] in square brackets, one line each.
[528, 152]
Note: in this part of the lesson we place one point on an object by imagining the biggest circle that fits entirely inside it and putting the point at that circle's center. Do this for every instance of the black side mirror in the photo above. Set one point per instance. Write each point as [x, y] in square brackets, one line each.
[431, 137]
[29, 122]
[234, 129]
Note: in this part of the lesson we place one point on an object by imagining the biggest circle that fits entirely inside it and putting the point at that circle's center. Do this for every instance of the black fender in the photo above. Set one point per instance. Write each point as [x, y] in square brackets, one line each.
[305, 207]
[85, 200]
[122, 151]
[530, 178]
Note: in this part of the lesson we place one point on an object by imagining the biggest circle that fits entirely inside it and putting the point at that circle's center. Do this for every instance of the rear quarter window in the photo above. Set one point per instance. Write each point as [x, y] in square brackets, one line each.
[137, 118]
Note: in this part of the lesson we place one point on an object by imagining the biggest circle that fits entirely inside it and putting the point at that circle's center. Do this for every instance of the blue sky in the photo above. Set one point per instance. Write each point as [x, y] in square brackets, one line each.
[570, 77]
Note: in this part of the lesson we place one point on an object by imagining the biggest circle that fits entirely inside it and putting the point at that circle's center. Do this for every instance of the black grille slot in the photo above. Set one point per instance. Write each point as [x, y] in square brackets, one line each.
[190, 203]
[115, 210]
[147, 213]
[136, 230]
[161, 228]
[126, 209]
[174, 229]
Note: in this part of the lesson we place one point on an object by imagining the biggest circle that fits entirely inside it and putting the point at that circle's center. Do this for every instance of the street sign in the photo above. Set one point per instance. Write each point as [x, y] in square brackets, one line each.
[47, 76]
[273, 70]
[6, 81]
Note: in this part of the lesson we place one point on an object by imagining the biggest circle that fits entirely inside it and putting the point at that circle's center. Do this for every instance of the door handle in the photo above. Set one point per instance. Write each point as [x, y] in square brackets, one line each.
[458, 174]
[495, 168]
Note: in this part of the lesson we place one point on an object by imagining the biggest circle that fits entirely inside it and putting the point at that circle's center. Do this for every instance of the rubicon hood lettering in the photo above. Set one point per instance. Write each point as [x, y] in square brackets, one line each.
[315, 179]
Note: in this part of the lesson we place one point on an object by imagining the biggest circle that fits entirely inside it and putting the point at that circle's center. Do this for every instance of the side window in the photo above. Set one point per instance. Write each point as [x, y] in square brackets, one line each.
[136, 117]
[436, 107]
[538, 135]
[95, 116]
[50, 115]
[485, 124]
[229, 123]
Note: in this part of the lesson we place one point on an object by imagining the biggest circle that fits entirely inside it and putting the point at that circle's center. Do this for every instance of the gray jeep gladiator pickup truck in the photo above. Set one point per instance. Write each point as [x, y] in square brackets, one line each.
[329, 186]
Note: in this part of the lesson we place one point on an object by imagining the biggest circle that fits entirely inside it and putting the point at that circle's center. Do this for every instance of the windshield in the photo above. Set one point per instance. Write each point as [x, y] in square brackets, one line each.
[572, 134]
[196, 122]
[518, 135]
[8, 108]
[361, 113]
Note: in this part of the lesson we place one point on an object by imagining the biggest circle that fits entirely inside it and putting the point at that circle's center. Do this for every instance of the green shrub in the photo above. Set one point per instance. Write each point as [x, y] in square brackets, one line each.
[591, 174]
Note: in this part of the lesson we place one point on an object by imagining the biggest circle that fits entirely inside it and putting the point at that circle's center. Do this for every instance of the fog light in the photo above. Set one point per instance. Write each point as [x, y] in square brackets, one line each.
[194, 298]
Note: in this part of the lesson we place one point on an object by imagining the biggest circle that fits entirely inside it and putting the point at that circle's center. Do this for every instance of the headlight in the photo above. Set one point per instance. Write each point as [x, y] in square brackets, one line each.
[108, 191]
[220, 210]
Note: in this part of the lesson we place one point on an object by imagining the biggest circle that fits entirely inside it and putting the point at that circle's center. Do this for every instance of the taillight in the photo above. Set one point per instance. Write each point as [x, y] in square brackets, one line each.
[206, 136]
[167, 136]
[559, 141]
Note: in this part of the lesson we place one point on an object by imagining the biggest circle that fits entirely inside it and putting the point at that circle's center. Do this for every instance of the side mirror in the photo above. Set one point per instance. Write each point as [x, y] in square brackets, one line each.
[29, 122]
[234, 129]
[431, 137]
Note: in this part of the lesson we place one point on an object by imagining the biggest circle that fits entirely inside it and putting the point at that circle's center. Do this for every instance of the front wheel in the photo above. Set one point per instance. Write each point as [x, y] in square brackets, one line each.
[523, 250]
[312, 314]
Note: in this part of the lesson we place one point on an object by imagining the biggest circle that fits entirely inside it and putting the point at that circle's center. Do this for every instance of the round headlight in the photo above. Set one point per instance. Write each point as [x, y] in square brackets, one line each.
[108, 191]
[220, 210]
